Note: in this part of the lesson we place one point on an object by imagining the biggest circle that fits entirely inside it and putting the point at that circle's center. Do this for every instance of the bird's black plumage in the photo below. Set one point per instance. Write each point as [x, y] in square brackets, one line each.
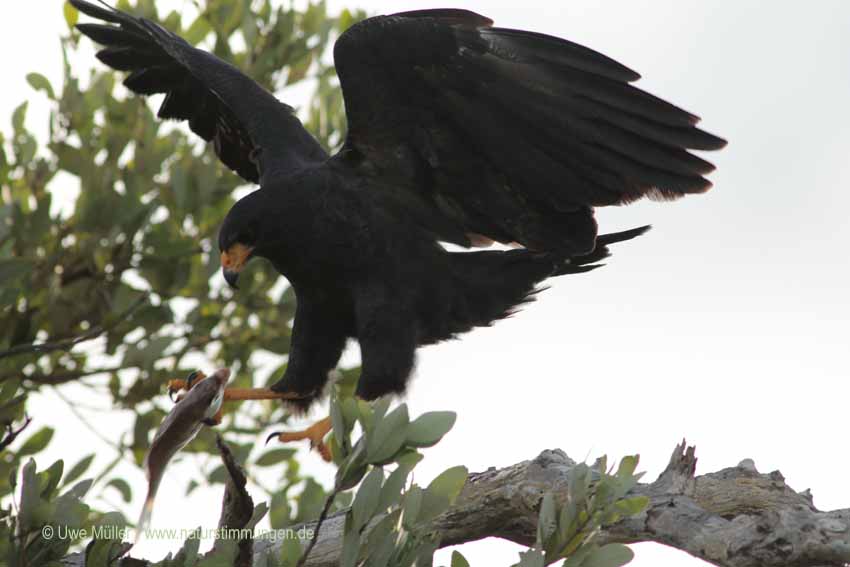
[458, 132]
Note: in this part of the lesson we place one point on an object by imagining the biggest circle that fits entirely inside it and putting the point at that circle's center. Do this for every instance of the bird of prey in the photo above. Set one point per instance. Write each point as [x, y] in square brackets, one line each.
[458, 132]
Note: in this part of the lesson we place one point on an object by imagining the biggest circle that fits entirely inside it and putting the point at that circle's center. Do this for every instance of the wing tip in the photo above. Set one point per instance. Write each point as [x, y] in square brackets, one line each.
[451, 16]
[107, 12]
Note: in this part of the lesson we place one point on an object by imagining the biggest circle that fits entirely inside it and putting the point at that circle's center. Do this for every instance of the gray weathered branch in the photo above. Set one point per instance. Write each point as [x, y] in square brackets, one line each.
[736, 517]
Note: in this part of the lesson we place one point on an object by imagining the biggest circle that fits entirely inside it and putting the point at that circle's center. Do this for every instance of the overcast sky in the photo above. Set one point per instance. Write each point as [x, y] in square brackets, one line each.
[727, 324]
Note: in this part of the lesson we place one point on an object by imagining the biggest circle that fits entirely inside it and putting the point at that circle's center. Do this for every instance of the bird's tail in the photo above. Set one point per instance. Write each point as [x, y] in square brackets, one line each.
[492, 285]
[587, 262]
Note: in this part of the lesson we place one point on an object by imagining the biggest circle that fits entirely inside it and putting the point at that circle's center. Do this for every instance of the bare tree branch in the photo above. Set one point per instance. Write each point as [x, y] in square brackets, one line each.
[12, 432]
[736, 517]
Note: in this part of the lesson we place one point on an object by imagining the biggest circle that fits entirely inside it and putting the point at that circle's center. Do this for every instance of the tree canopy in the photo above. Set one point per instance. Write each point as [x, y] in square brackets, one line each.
[115, 288]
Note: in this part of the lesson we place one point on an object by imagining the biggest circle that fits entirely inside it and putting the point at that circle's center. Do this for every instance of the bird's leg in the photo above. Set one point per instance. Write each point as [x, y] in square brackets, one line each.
[315, 434]
[240, 394]
[230, 394]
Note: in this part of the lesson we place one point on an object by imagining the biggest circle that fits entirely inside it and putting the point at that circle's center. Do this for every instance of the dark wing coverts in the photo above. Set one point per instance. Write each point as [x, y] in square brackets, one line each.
[511, 134]
[222, 105]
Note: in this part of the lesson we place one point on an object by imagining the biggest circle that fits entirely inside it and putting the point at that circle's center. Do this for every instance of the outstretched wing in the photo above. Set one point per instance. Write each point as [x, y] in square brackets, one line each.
[510, 134]
[252, 132]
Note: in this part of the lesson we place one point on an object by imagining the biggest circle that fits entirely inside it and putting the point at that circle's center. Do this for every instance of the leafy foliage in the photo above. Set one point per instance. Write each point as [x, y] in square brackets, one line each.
[595, 498]
[387, 523]
[117, 288]
[44, 512]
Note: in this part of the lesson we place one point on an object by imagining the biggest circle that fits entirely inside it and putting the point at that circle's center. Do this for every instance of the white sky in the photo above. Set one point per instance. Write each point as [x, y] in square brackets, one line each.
[727, 324]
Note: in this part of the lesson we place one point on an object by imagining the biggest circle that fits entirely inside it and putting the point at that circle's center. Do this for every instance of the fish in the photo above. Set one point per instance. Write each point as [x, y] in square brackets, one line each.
[196, 408]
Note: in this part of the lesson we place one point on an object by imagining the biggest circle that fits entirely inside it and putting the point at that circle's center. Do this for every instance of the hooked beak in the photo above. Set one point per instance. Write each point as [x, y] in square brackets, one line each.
[230, 277]
[233, 261]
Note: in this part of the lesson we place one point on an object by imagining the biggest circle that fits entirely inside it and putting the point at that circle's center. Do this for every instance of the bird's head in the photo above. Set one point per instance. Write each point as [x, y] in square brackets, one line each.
[241, 236]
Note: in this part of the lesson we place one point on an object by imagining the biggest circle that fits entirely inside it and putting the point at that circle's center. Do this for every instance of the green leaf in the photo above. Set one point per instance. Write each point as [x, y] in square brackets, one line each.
[81, 488]
[388, 435]
[441, 493]
[366, 416]
[368, 496]
[54, 475]
[218, 475]
[547, 521]
[344, 21]
[577, 557]
[274, 456]
[9, 387]
[33, 509]
[632, 506]
[353, 468]
[102, 551]
[411, 505]
[260, 511]
[391, 492]
[567, 524]
[122, 487]
[311, 501]
[627, 466]
[78, 470]
[290, 552]
[36, 442]
[382, 532]
[530, 558]
[350, 548]
[611, 555]
[199, 29]
[449, 483]
[190, 549]
[459, 560]
[280, 515]
[40, 83]
[71, 14]
[70, 511]
[14, 269]
[340, 431]
[427, 429]
[578, 481]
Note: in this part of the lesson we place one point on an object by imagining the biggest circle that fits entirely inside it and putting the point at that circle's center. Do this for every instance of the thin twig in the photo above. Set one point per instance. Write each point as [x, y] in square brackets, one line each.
[68, 344]
[56, 378]
[322, 517]
[12, 433]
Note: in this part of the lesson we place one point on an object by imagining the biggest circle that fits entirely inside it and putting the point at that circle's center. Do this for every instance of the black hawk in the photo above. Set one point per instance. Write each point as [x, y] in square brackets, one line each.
[458, 132]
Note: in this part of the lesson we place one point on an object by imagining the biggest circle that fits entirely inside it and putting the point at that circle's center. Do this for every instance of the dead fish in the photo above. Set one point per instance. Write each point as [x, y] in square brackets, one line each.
[194, 409]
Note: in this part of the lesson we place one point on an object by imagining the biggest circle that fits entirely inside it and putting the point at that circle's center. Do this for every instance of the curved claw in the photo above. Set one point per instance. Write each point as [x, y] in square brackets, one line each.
[315, 434]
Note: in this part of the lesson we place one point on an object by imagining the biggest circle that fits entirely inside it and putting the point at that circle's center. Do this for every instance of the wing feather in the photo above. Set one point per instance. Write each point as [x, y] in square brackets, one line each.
[509, 134]
[251, 131]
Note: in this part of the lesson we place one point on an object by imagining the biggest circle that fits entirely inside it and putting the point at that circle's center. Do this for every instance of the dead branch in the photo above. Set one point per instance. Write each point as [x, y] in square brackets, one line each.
[736, 517]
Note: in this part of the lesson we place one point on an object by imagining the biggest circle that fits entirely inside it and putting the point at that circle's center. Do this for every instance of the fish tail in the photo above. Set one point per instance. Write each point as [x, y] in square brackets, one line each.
[144, 517]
